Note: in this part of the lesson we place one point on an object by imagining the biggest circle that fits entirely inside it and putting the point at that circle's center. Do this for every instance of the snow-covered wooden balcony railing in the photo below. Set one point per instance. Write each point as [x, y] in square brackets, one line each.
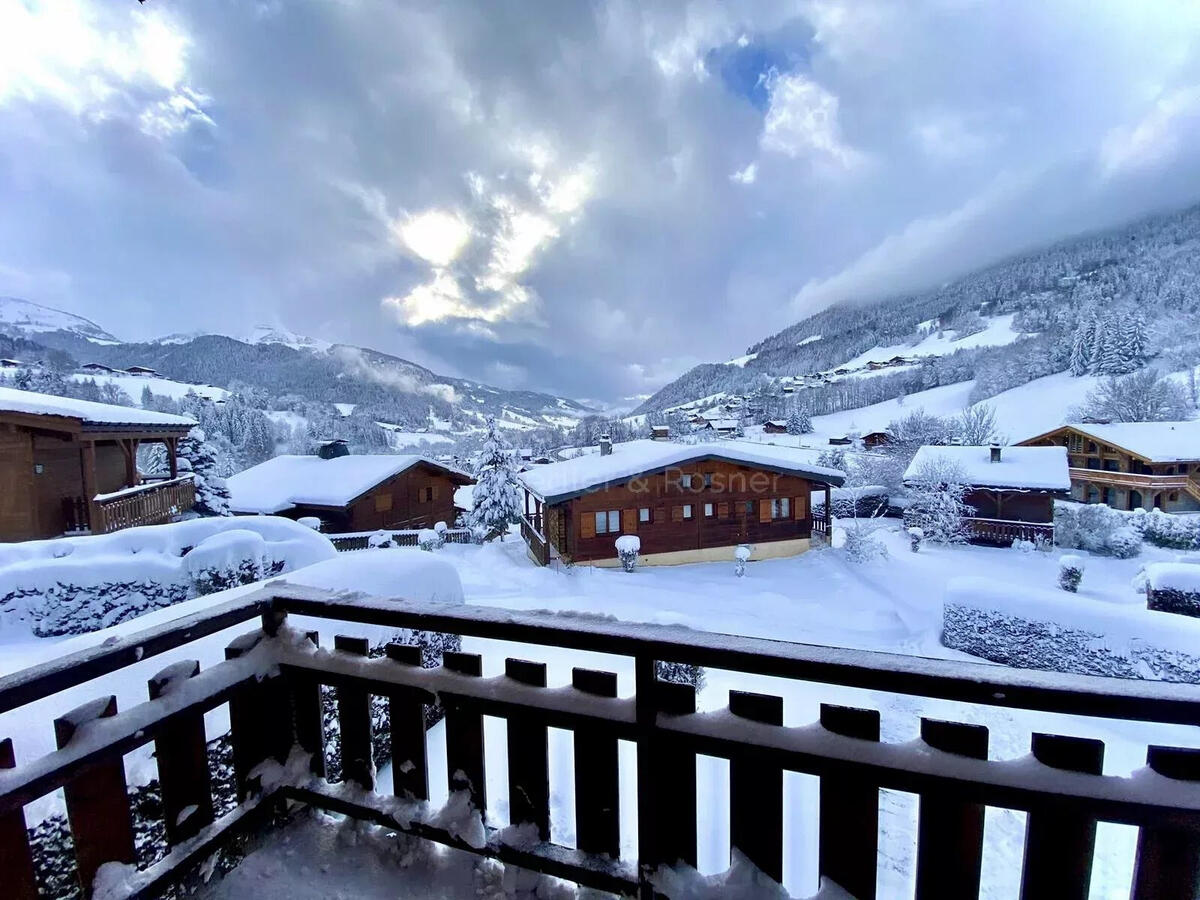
[531, 532]
[151, 503]
[1005, 531]
[403, 537]
[271, 679]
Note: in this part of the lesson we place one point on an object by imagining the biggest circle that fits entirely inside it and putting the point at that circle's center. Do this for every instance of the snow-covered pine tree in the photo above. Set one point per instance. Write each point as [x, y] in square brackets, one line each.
[258, 442]
[197, 456]
[1135, 340]
[1081, 357]
[1099, 342]
[496, 502]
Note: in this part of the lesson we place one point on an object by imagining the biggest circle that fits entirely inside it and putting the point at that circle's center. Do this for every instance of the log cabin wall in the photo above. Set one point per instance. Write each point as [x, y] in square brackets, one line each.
[18, 509]
[1023, 506]
[417, 498]
[62, 477]
[737, 496]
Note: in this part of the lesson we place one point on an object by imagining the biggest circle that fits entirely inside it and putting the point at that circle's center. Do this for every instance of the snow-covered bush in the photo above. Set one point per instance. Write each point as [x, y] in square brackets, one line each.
[1070, 572]
[1173, 588]
[1097, 528]
[861, 544]
[1124, 543]
[937, 503]
[1023, 546]
[741, 555]
[915, 536]
[441, 528]
[227, 559]
[479, 533]
[628, 548]
[680, 673]
[312, 522]
[865, 501]
[380, 540]
[1178, 532]
[428, 539]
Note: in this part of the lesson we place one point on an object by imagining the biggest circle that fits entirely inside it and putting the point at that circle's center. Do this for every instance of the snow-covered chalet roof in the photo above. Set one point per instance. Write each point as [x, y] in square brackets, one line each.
[286, 481]
[563, 480]
[1154, 441]
[1023, 468]
[87, 412]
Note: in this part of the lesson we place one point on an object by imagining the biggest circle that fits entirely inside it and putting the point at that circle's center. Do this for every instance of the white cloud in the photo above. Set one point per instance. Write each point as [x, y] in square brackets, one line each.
[802, 122]
[1155, 137]
[437, 236]
[746, 175]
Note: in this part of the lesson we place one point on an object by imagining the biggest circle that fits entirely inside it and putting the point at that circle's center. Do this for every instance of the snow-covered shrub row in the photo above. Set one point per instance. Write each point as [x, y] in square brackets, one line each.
[1102, 529]
[1031, 628]
[1175, 531]
[81, 584]
[1173, 588]
[866, 502]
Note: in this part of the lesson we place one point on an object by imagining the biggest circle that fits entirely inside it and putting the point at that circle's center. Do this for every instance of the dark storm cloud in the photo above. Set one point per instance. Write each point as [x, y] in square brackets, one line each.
[586, 198]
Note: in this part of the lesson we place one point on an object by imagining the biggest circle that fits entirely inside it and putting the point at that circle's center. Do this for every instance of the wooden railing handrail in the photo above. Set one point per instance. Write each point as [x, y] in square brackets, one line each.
[142, 488]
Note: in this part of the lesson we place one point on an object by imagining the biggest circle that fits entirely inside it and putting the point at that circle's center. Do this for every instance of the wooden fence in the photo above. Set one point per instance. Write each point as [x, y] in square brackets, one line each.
[1004, 531]
[148, 504]
[271, 676]
[407, 537]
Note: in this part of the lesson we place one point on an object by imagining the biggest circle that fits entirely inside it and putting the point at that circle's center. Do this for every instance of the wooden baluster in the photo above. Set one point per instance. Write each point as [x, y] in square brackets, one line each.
[354, 720]
[97, 800]
[16, 860]
[849, 810]
[464, 734]
[182, 754]
[950, 831]
[648, 800]
[528, 755]
[597, 774]
[1059, 844]
[673, 767]
[1168, 859]
[756, 791]
[308, 718]
[410, 762]
[260, 718]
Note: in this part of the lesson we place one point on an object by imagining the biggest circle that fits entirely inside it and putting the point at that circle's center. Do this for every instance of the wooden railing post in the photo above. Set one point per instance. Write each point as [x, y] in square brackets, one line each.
[673, 770]
[756, 792]
[182, 754]
[260, 719]
[16, 859]
[464, 735]
[1168, 859]
[308, 717]
[597, 774]
[849, 811]
[1059, 845]
[646, 708]
[354, 721]
[410, 765]
[528, 756]
[950, 831]
[97, 800]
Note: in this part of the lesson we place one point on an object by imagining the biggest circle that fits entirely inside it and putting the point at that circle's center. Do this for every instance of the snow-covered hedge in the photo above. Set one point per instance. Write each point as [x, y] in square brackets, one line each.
[1102, 529]
[868, 501]
[1034, 628]
[80, 584]
[1173, 588]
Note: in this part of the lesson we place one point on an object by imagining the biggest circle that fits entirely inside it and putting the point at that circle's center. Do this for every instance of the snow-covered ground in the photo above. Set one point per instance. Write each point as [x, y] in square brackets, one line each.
[821, 597]
[133, 385]
[997, 333]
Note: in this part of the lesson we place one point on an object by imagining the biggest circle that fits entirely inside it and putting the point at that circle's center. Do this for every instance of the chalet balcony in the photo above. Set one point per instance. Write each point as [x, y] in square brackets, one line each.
[531, 532]
[1003, 532]
[1136, 480]
[271, 679]
[151, 503]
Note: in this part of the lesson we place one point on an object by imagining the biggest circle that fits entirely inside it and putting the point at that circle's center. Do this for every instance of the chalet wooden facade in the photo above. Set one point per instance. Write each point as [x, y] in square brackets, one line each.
[1132, 465]
[70, 466]
[1011, 490]
[685, 503]
[350, 493]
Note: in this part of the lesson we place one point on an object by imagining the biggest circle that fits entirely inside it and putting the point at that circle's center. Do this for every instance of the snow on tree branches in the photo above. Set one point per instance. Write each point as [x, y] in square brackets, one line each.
[496, 502]
[938, 506]
[197, 457]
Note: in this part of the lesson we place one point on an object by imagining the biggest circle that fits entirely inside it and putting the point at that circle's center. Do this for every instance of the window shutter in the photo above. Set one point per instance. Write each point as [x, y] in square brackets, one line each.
[676, 513]
[800, 507]
[433, 492]
[587, 525]
[629, 520]
[659, 516]
[723, 510]
[764, 510]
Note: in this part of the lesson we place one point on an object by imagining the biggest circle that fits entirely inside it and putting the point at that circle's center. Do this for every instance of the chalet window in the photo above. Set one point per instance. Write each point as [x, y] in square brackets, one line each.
[383, 502]
[687, 510]
[644, 514]
[425, 495]
[608, 521]
[685, 482]
[708, 477]
[781, 508]
[1075, 443]
[749, 507]
[708, 510]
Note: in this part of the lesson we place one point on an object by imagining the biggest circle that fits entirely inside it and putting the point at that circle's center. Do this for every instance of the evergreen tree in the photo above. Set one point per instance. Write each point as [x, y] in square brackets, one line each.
[258, 442]
[799, 421]
[496, 502]
[197, 456]
[1081, 351]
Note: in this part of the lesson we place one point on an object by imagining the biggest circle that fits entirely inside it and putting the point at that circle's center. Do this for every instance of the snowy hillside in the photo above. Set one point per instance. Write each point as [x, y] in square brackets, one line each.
[134, 384]
[21, 317]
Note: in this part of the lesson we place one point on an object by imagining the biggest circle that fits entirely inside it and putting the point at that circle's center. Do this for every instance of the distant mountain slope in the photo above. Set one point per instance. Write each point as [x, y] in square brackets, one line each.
[22, 318]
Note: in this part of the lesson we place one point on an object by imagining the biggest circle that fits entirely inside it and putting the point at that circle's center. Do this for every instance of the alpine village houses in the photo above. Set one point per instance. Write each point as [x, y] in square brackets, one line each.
[70, 466]
[685, 502]
[350, 493]
[1132, 465]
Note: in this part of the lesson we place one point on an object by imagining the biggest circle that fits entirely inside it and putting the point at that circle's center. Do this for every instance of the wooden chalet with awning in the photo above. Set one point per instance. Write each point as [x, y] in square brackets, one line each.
[685, 502]
[70, 466]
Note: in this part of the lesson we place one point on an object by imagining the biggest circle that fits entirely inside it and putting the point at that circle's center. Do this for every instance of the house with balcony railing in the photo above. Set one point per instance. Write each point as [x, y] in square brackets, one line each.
[70, 467]
[1131, 465]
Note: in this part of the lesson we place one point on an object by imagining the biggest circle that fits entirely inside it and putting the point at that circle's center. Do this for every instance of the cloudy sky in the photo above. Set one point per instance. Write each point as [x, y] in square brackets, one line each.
[581, 197]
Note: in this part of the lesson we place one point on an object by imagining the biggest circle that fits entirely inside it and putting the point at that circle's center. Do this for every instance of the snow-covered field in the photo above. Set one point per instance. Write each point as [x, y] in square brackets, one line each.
[997, 333]
[133, 385]
[820, 597]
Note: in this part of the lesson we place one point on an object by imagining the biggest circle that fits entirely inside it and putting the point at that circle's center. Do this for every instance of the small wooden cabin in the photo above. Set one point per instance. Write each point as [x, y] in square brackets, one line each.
[70, 466]
[875, 439]
[350, 493]
[685, 502]
[775, 426]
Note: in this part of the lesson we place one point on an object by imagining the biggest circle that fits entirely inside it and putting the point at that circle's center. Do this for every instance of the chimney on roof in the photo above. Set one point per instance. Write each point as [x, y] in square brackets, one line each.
[333, 449]
[995, 448]
[605, 445]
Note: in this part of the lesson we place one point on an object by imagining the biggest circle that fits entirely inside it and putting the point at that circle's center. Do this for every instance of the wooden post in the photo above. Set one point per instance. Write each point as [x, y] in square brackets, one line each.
[528, 756]
[308, 719]
[410, 762]
[354, 720]
[949, 831]
[597, 774]
[1059, 844]
[756, 792]
[1168, 859]
[97, 800]
[464, 735]
[260, 718]
[173, 456]
[129, 450]
[16, 859]
[181, 751]
[673, 769]
[849, 810]
[95, 515]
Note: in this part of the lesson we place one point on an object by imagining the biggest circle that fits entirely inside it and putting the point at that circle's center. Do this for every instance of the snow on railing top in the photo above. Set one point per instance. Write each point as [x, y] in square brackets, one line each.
[143, 488]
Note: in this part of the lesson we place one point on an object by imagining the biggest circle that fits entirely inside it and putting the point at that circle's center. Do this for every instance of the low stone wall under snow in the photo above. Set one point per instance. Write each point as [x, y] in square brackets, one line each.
[1045, 629]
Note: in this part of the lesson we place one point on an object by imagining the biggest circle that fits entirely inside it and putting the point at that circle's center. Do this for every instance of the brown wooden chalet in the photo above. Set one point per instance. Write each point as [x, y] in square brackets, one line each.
[1011, 490]
[872, 440]
[350, 493]
[1132, 465]
[70, 466]
[775, 426]
[685, 502]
